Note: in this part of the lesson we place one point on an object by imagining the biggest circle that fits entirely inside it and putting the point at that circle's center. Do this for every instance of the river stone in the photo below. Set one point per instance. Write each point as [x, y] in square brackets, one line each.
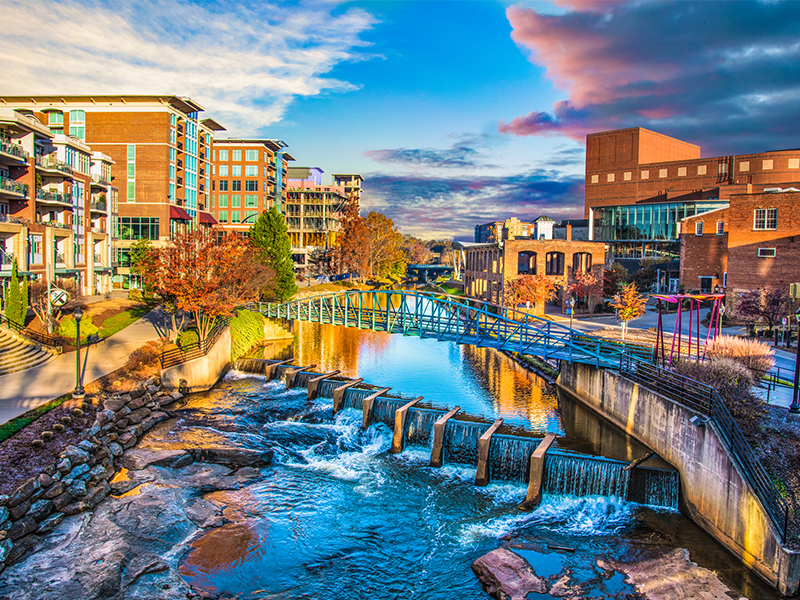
[76, 456]
[77, 489]
[115, 449]
[23, 492]
[137, 391]
[205, 513]
[18, 511]
[503, 572]
[232, 456]
[117, 402]
[141, 458]
[55, 490]
[40, 509]
[78, 471]
[50, 522]
[3, 514]
[3, 499]
[5, 548]
[45, 480]
[22, 527]
[64, 466]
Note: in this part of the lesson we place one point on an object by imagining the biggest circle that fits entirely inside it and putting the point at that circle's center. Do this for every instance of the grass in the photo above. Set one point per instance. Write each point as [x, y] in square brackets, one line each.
[16, 424]
[753, 354]
[120, 321]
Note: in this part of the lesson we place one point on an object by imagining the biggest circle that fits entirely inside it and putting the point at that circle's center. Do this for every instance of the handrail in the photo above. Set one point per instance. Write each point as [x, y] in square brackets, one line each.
[705, 400]
[198, 349]
[35, 336]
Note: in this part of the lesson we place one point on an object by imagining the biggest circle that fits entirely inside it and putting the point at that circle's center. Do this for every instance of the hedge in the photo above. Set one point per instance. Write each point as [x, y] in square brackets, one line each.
[247, 329]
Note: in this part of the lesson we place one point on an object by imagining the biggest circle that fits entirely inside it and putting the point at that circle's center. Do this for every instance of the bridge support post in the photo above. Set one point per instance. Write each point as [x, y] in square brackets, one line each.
[400, 414]
[367, 407]
[536, 473]
[313, 384]
[438, 437]
[292, 373]
[484, 442]
[338, 394]
[272, 368]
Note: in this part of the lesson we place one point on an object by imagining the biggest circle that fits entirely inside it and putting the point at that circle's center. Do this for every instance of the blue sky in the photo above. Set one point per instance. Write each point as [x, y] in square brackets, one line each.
[456, 112]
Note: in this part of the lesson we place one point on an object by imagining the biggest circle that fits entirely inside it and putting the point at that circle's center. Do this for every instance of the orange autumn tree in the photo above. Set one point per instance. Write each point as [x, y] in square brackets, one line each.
[630, 304]
[586, 285]
[536, 289]
[205, 273]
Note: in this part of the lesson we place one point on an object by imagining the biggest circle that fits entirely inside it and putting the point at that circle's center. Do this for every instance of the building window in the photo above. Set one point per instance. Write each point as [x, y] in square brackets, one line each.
[662, 173]
[767, 253]
[724, 280]
[236, 185]
[720, 227]
[236, 155]
[610, 178]
[236, 170]
[645, 174]
[172, 154]
[794, 163]
[223, 170]
[235, 218]
[223, 201]
[249, 214]
[554, 263]
[765, 218]
[767, 164]
[223, 186]
[77, 124]
[223, 155]
[595, 178]
[251, 185]
[526, 263]
[223, 216]
[172, 119]
[581, 262]
[722, 168]
[702, 169]
[698, 228]
[626, 176]
[236, 200]
[135, 228]
[744, 165]
[251, 171]
[55, 118]
[251, 200]
[681, 171]
[251, 155]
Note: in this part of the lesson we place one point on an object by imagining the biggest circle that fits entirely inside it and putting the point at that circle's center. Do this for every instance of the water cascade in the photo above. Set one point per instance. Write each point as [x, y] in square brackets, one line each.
[574, 475]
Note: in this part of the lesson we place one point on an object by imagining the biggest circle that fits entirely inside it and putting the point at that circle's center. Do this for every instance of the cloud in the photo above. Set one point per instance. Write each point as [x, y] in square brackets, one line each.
[465, 153]
[721, 74]
[244, 62]
[447, 207]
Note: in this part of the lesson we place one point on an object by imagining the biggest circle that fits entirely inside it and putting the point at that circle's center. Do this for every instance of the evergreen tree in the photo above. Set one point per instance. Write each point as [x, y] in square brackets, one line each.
[271, 237]
[14, 299]
[24, 301]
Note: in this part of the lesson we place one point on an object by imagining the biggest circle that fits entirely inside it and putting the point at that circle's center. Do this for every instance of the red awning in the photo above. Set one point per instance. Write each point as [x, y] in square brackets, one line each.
[176, 212]
[206, 219]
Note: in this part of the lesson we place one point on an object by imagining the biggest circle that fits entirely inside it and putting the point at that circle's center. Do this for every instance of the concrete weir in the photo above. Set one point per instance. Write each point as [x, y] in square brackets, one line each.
[313, 384]
[400, 415]
[438, 437]
[536, 473]
[338, 394]
[291, 373]
[272, 368]
[484, 442]
[368, 405]
[714, 490]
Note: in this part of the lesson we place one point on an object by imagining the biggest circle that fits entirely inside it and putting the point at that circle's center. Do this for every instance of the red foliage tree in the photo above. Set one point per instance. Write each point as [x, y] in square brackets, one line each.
[536, 289]
[586, 285]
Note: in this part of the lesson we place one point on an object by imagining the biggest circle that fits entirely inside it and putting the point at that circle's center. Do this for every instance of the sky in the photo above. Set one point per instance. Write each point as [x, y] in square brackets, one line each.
[455, 112]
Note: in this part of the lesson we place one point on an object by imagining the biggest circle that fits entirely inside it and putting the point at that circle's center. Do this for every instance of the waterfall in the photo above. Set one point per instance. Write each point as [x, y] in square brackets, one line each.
[461, 441]
[302, 378]
[419, 426]
[585, 476]
[510, 456]
[354, 396]
[252, 365]
[384, 409]
[656, 487]
[325, 389]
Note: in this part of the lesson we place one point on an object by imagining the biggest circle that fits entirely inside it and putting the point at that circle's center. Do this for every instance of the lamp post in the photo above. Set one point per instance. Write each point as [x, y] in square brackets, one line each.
[795, 407]
[571, 304]
[78, 393]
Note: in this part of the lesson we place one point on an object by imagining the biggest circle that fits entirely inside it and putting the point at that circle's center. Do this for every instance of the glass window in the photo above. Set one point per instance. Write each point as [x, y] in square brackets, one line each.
[223, 170]
[223, 186]
[131, 152]
[236, 170]
[249, 215]
[131, 191]
[223, 216]
[251, 155]
[251, 170]
[223, 155]
[251, 185]
[765, 218]
[236, 186]
[172, 153]
[131, 170]
[251, 200]
[134, 228]
[235, 218]
[720, 227]
[698, 228]
[236, 155]
[172, 119]
[236, 200]
[55, 118]
[223, 200]
[77, 115]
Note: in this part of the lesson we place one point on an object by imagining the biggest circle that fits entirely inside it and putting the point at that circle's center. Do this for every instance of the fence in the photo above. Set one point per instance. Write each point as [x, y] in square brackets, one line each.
[705, 400]
[45, 339]
[176, 356]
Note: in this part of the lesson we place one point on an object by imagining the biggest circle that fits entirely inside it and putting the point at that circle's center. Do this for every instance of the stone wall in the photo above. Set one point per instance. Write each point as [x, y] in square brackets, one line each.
[79, 479]
[713, 491]
[201, 373]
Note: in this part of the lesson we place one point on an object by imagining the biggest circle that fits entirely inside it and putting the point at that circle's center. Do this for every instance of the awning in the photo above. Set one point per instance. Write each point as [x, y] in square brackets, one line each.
[176, 212]
[206, 219]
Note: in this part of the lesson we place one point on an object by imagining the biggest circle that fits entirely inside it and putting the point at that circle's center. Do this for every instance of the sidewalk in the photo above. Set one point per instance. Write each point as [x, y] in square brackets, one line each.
[24, 390]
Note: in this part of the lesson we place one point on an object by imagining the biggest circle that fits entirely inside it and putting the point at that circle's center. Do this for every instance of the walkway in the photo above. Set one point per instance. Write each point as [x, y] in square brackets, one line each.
[24, 390]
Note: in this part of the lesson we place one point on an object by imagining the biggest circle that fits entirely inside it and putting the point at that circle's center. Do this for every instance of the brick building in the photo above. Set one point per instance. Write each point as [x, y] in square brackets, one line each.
[753, 242]
[249, 178]
[542, 227]
[641, 184]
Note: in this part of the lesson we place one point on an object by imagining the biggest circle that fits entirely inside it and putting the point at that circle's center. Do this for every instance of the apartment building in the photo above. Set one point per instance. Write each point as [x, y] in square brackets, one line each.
[249, 178]
[641, 184]
[352, 184]
[751, 243]
[159, 149]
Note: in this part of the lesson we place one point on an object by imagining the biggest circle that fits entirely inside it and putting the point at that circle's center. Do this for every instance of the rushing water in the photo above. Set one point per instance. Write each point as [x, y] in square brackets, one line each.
[339, 517]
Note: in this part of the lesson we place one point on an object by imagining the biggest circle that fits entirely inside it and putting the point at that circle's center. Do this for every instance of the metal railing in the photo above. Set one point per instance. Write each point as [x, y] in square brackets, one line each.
[706, 400]
[100, 179]
[35, 336]
[12, 186]
[53, 164]
[53, 196]
[98, 206]
[6, 258]
[176, 356]
[7, 146]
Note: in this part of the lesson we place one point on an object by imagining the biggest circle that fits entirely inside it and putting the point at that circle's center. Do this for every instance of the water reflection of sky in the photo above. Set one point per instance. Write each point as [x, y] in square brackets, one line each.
[481, 381]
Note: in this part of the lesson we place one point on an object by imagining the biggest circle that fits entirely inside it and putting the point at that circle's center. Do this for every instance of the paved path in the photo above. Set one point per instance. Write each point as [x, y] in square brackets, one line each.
[24, 390]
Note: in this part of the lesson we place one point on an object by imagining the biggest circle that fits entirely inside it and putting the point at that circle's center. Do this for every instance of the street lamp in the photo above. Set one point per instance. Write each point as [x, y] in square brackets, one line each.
[571, 304]
[78, 393]
[795, 407]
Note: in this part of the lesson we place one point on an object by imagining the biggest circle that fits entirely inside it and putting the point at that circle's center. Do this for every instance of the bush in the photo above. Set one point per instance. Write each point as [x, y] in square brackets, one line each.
[147, 355]
[136, 295]
[754, 355]
[247, 329]
[731, 379]
[187, 337]
[68, 329]
[346, 283]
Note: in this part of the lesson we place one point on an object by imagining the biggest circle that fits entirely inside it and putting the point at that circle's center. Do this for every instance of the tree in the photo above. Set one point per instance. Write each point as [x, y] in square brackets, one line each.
[386, 256]
[205, 275]
[273, 247]
[38, 300]
[536, 289]
[416, 250]
[612, 278]
[769, 304]
[630, 304]
[17, 300]
[586, 285]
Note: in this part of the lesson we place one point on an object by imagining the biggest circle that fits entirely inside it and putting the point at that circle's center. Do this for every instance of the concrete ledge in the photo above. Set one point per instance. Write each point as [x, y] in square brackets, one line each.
[201, 373]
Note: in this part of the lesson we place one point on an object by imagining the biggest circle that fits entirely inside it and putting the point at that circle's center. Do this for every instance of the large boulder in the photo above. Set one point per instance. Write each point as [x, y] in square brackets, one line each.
[506, 575]
[141, 458]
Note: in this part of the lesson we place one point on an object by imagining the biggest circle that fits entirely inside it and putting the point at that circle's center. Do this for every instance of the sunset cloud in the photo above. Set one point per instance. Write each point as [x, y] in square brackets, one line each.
[722, 74]
[462, 154]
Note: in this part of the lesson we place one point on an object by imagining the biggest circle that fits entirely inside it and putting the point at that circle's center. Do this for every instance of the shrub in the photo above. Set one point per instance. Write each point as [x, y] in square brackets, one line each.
[146, 356]
[187, 337]
[247, 329]
[68, 329]
[135, 294]
[730, 378]
[756, 356]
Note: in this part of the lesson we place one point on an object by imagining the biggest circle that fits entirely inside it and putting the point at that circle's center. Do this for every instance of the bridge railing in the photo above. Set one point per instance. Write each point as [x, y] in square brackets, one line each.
[706, 400]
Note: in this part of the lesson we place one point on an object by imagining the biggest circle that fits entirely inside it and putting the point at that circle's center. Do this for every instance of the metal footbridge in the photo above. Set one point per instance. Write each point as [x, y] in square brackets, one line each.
[455, 319]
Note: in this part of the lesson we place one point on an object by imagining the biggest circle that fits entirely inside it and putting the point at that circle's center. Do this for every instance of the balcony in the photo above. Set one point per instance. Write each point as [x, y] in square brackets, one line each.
[6, 260]
[11, 152]
[101, 180]
[55, 224]
[6, 218]
[98, 259]
[13, 188]
[53, 198]
[53, 165]
[99, 230]
[98, 207]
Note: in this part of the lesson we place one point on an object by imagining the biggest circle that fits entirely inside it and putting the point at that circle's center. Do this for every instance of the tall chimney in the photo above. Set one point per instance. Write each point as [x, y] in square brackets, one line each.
[568, 234]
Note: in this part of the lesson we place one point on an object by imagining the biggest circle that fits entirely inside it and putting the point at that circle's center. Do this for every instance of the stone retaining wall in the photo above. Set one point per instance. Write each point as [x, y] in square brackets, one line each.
[79, 478]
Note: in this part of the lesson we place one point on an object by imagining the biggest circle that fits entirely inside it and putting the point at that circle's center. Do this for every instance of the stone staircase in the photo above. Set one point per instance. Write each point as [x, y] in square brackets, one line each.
[18, 354]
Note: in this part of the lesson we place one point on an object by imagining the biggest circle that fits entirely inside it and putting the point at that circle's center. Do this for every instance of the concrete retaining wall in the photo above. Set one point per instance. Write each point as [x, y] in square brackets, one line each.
[201, 373]
[713, 492]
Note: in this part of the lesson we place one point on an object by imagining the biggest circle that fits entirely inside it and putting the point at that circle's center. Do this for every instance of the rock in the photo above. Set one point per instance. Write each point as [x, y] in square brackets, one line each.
[5, 548]
[78, 471]
[232, 456]
[40, 509]
[135, 417]
[115, 403]
[86, 445]
[23, 492]
[61, 501]
[50, 522]
[127, 439]
[76, 456]
[115, 449]
[22, 527]
[96, 494]
[18, 511]
[142, 564]
[159, 416]
[176, 396]
[502, 571]
[64, 466]
[97, 472]
[76, 507]
[45, 480]
[77, 489]
[137, 403]
[148, 423]
[20, 547]
[137, 391]
[3, 514]
[95, 429]
[141, 458]
[204, 513]
[3, 499]
[55, 490]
